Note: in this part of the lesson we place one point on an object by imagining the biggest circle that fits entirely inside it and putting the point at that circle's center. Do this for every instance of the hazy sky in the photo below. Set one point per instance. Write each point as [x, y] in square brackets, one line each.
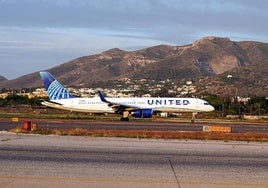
[40, 34]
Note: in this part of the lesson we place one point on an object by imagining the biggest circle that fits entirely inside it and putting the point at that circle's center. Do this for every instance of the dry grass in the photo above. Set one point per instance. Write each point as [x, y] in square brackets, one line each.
[183, 135]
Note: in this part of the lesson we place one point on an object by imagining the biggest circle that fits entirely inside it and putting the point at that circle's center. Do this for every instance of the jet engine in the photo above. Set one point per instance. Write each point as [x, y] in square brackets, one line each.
[143, 113]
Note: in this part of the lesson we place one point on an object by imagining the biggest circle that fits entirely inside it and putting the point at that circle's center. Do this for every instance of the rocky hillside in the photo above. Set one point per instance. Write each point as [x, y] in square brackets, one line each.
[210, 57]
[2, 79]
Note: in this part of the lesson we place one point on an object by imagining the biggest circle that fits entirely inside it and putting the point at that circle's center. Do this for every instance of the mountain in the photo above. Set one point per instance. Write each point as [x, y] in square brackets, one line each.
[2, 79]
[207, 61]
[248, 79]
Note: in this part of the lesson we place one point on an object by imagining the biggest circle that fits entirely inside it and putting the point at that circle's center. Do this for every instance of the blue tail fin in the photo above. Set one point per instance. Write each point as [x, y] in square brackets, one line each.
[54, 89]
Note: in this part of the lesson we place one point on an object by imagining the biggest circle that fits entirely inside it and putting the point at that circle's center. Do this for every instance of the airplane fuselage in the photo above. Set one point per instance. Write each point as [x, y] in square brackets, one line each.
[95, 105]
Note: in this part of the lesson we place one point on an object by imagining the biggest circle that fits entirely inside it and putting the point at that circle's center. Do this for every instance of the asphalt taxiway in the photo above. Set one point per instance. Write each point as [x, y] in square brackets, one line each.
[237, 127]
[70, 161]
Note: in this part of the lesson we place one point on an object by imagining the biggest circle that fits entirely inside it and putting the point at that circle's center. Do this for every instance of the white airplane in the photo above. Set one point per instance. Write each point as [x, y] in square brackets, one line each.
[137, 107]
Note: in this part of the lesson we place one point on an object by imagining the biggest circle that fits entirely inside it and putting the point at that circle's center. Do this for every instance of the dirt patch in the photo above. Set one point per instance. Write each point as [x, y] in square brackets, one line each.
[185, 135]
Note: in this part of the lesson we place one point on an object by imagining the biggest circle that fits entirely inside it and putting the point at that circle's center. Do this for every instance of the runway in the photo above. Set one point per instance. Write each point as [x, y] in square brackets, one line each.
[65, 161]
[237, 127]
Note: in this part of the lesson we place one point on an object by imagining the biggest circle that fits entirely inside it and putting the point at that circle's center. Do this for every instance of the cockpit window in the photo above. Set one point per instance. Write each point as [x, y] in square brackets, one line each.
[206, 103]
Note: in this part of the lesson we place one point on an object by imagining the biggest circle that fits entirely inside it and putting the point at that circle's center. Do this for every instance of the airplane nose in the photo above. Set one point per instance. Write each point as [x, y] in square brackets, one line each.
[211, 108]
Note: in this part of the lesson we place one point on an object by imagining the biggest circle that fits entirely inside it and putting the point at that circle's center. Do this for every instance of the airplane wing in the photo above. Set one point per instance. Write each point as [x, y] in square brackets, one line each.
[117, 107]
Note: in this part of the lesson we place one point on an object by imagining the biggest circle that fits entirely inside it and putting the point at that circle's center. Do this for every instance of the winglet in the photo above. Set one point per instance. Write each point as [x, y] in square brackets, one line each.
[102, 97]
[54, 89]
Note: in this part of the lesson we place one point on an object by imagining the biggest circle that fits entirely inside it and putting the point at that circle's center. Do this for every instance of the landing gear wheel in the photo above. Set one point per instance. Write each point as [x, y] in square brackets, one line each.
[193, 117]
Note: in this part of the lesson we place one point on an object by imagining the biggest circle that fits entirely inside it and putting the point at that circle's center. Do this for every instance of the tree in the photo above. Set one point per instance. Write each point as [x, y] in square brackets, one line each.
[3, 102]
[216, 102]
[258, 105]
[17, 99]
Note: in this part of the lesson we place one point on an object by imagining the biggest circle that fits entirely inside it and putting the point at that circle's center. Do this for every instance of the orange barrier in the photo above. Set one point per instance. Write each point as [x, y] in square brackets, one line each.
[34, 127]
[220, 129]
[29, 126]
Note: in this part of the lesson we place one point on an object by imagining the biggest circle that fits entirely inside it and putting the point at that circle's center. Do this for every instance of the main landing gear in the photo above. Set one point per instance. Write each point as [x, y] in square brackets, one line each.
[125, 116]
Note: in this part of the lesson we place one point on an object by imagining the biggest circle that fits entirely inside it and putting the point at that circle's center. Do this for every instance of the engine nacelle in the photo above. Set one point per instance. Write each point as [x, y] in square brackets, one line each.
[143, 113]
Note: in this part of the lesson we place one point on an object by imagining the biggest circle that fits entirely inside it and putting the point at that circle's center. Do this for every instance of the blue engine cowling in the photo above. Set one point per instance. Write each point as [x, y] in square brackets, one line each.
[143, 113]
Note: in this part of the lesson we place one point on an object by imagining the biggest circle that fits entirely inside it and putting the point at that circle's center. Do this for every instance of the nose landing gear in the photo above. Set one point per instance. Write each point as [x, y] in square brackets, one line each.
[193, 117]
